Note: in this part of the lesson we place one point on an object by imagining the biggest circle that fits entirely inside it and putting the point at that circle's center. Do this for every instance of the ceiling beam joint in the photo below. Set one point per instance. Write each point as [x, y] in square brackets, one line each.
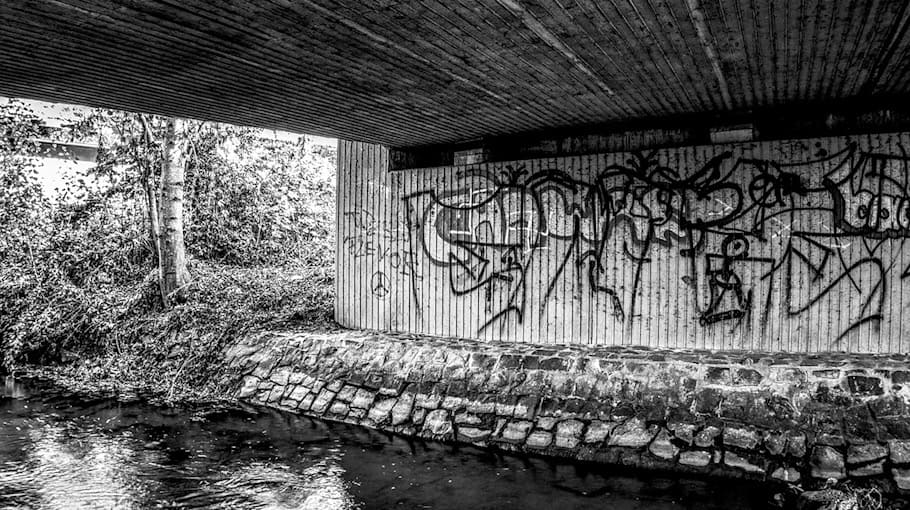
[548, 37]
[697, 16]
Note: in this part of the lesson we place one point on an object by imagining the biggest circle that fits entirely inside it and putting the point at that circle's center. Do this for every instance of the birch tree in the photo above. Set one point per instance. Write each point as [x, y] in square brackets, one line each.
[149, 154]
[173, 274]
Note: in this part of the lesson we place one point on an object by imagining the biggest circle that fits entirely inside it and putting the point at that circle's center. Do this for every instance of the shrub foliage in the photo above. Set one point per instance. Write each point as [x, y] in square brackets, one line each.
[77, 268]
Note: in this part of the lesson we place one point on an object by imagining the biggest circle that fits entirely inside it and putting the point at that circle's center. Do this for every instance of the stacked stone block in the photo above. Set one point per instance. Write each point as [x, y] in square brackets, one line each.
[785, 418]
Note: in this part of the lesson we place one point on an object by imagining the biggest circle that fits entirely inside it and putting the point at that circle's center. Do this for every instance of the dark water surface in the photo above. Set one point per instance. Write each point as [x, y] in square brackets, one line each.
[59, 450]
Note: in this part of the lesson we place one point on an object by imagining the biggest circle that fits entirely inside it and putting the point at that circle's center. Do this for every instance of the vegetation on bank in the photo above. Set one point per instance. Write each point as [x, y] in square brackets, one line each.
[79, 286]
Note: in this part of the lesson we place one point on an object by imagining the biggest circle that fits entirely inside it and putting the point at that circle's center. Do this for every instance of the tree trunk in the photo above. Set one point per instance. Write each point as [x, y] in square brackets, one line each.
[172, 260]
[151, 199]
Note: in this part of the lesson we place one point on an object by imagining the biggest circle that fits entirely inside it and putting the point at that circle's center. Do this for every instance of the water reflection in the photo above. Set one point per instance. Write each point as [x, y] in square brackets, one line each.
[61, 451]
[102, 469]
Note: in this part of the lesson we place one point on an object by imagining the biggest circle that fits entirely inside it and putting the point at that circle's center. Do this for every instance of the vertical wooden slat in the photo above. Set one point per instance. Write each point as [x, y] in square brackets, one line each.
[395, 249]
[340, 299]
[368, 190]
[364, 263]
[360, 300]
[343, 279]
[353, 174]
[899, 339]
[565, 308]
[674, 328]
[366, 266]
[531, 253]
[439, 318]
[615, 278]
[570, 305]
[453, 309]
[386, 235]
[347, 175]
[410, 307]
[426, 284]
[865, 342]
[598, 328]
[666, 304]
[432, 286]
[444, 321]
[589, 174]
[827, 331]
[705, 335]
[891, 256]
[379, 262]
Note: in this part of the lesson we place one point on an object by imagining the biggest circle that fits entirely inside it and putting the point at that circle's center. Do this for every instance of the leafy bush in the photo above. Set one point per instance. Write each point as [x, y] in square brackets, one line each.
[46, 318]
[77, 271]
[23, 208]
[253, 204]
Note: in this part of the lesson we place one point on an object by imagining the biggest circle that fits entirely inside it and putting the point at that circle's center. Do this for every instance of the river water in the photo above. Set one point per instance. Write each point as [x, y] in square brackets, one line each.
[59, 450]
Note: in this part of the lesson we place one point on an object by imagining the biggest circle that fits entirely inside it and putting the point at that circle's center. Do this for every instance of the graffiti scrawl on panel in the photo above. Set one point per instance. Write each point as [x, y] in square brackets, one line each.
[749, 242]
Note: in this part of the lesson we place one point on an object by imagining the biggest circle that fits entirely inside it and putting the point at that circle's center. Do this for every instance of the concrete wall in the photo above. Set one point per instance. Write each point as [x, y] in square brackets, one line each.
[794, 246]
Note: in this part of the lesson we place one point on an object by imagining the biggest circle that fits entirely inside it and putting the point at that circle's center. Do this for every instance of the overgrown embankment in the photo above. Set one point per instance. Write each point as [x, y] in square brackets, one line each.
[117, 338]
[79, 295]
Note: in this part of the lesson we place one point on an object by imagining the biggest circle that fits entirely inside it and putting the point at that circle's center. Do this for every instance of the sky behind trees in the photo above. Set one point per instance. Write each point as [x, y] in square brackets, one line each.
[53, 172]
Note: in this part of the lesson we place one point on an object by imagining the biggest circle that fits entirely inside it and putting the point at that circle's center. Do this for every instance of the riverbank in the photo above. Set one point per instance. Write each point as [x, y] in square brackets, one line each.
[115, 339]
[598, 406]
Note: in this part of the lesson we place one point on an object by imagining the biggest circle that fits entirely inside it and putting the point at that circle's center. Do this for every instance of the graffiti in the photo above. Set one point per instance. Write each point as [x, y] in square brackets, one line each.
[484, 236]
[383, 243]
[380, 284]
[728, 299]
[750, 242]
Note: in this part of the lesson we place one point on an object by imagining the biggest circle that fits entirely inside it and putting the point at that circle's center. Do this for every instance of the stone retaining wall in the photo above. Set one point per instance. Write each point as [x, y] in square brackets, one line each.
[791, 418]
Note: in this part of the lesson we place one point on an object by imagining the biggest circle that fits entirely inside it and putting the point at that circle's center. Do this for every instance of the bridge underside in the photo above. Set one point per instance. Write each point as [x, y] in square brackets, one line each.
[410, 73]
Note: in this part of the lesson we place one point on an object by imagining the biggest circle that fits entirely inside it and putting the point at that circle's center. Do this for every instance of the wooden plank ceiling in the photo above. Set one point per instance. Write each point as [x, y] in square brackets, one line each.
[414, 72]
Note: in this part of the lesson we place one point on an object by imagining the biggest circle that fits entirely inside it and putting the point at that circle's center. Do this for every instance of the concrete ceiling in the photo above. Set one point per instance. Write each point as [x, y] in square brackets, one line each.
[412, 72]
